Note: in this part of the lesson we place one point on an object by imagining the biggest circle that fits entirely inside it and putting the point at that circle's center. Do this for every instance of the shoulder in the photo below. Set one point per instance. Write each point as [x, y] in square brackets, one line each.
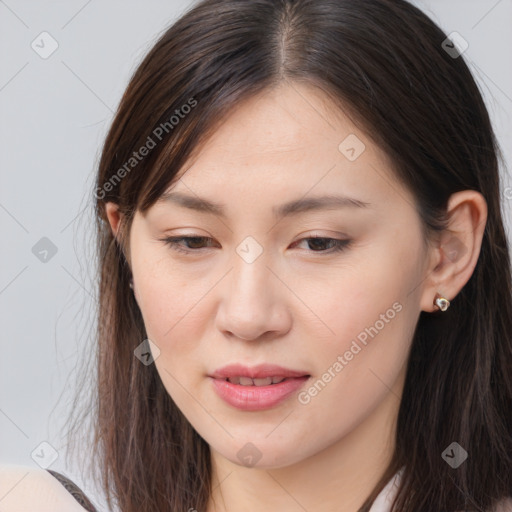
[504, 505]
[25, 488]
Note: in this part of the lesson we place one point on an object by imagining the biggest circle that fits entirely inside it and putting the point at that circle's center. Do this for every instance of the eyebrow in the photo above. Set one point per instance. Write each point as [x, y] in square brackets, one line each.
[294, 207]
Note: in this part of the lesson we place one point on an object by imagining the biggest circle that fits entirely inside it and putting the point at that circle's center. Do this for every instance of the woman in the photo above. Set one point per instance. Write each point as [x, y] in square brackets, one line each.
[305, 290]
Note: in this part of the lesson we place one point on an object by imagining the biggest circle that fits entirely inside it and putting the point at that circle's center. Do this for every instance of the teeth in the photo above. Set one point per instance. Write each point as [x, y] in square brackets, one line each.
[263, 382]
[247, 381]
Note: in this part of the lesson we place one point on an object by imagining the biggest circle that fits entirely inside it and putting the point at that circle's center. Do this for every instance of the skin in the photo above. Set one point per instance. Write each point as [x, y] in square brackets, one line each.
[296, 305]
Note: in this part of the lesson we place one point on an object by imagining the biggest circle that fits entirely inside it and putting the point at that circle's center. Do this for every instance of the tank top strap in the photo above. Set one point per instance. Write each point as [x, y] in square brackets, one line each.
[74, 490]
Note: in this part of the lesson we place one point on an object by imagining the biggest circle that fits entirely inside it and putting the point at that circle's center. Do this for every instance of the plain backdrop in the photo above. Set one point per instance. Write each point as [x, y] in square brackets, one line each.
[54, 114]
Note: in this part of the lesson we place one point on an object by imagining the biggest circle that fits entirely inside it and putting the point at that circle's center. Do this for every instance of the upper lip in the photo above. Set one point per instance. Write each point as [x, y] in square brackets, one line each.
[256, 372]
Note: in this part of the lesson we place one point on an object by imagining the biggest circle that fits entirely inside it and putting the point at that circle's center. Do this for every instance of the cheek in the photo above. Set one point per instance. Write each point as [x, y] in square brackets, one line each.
[175, 306]
[363, 303]
[371, 311]
[361, 366]
[174, 318]
[172, 312]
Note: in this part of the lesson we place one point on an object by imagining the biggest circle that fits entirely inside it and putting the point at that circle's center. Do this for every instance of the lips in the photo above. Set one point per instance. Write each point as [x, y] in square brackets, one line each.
[257, 388]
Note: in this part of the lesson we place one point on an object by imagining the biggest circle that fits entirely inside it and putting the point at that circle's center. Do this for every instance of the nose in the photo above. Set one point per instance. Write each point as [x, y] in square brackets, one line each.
[253, 302]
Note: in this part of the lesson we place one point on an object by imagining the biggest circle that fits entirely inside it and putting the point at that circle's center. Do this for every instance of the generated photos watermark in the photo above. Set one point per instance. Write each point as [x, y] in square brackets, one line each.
[152, 140]
[305, 396]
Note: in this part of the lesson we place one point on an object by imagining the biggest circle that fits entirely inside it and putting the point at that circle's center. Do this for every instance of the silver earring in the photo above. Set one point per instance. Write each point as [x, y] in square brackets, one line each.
[441, 302]
[131, 283]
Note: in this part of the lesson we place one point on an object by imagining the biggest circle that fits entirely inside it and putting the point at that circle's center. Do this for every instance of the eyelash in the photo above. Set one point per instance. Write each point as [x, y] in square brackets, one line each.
[172, 242]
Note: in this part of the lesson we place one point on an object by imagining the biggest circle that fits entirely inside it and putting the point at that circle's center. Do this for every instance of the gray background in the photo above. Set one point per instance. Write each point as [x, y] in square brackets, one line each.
[54, 115]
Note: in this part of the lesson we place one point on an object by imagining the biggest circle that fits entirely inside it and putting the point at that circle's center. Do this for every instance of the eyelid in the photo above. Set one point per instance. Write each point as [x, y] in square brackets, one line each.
[340, 244]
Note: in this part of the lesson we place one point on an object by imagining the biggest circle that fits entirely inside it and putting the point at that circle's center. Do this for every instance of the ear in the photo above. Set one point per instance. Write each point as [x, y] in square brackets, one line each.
[113, 215]
[455, 255]
[114, 218]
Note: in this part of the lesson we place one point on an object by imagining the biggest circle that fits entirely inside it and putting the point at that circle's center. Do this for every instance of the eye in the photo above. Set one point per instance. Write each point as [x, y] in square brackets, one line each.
[336, 245]
[174, 243]
[195, 243]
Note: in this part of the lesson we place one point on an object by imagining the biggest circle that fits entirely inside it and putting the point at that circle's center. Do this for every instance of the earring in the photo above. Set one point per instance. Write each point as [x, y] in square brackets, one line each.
[131, 283]
[442, 303]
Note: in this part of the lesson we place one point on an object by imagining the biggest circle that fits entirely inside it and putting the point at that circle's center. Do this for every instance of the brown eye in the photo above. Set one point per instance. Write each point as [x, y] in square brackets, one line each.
[193, 243]
[318, 243]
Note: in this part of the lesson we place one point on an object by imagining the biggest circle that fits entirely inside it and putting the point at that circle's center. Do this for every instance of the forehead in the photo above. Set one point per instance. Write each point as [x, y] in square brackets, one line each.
[290, 119]
[287, 143]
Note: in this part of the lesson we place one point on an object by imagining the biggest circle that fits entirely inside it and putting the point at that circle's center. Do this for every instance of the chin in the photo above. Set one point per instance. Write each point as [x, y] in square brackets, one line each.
[262, 454]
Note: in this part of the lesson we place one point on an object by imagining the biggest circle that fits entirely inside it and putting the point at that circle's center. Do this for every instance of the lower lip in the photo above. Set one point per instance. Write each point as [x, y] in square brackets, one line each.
[257, 398]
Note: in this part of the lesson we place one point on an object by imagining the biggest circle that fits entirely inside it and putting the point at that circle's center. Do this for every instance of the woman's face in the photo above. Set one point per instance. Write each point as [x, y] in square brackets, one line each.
[257, 290]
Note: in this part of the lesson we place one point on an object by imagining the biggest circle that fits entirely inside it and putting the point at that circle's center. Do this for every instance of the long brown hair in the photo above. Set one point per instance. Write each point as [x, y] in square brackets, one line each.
[383, 62]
